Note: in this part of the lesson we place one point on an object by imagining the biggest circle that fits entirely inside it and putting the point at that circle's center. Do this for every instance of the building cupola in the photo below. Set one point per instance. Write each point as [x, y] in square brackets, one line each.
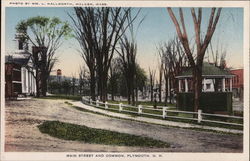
[22, 43]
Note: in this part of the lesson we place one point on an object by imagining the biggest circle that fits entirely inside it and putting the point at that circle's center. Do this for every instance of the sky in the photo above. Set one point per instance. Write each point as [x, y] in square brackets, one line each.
[156, 28]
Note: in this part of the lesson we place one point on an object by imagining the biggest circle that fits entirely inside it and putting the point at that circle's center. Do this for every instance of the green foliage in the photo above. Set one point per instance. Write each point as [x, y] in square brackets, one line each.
[60, 87]
[66, 102]
[61, 96]
[141, 77]
[22, 27]
[39, 20]
[66, 86]
[46, 34]
[54, 86]
[41, 30]
[118, 79]
[68, 131]
[209, 101]
[115, 77]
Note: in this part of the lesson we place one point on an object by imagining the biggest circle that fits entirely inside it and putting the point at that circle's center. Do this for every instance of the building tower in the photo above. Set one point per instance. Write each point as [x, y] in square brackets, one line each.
[59, 75]
[22, 43]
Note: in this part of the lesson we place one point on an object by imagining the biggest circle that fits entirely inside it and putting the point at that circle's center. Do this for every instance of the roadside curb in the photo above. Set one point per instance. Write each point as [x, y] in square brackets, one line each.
[152, 120]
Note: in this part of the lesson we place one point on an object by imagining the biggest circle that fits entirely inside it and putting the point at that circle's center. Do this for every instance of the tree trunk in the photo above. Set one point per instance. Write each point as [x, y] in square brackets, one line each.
[166, 91]
[151, 92]
[44, 86]
[160, 84]
[197, 84]
[171, 93]
[104, 81]
[80, 88]
[104, 92]
[44, 72]
[133, 91]
[35, 52]
[160, 91]
[136, 95]
[129, 95]
[102, 85]
[133, 96]
[112, 92]
[92, 85]
[37, 87]
[73, 90]
[44, 83]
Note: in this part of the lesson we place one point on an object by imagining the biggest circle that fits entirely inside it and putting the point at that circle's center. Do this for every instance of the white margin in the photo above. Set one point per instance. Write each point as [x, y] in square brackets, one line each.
[166, 156]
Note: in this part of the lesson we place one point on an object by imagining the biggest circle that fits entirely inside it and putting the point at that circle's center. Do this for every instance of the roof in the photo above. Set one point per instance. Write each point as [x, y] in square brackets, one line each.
[239, 69]
[208, 71]
[20, 58]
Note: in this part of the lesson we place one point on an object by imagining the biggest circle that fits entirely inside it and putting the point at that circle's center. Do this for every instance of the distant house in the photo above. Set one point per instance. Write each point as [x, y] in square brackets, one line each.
[58, 84]
[19, 73]
[60, 79]
[213, 78]
[238, 82]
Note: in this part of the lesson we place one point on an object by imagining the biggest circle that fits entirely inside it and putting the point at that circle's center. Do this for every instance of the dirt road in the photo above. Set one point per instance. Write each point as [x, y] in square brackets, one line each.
[22, 134]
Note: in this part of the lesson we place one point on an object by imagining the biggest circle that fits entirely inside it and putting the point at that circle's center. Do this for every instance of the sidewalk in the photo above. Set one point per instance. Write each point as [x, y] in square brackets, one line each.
[151, 120]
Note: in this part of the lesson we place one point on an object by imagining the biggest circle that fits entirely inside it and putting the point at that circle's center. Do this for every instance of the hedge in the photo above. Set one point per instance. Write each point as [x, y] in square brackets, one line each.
[210, 101]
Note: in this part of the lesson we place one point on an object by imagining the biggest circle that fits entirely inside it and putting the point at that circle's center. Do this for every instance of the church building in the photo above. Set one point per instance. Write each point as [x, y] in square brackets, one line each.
[19, 71]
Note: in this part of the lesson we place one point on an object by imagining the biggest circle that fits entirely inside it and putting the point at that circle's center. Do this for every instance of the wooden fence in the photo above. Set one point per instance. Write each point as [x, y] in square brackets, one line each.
[165, 112]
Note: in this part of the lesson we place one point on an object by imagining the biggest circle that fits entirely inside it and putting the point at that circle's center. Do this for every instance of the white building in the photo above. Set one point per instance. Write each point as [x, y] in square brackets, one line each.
[19, 72]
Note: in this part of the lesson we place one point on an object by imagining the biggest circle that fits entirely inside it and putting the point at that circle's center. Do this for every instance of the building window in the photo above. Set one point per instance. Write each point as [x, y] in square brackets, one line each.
[20, 45]
[208, 86]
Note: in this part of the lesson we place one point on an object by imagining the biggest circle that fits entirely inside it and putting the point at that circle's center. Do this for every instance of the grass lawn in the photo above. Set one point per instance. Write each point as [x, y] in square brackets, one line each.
[62, 96]
[146, 103]
[114, 108]
[135, 115]
[68, 131]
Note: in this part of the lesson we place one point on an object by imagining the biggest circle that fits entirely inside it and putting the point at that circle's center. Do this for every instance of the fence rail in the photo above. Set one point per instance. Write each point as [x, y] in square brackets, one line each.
[164, 113]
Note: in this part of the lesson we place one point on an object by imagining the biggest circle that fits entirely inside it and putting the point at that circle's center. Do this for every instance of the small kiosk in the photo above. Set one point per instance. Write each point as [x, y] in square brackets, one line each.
[215, 97]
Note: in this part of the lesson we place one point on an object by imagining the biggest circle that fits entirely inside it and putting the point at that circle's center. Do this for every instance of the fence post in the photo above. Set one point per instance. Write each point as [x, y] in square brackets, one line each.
[140, 109]
[83, 100]
[199, 116]
[164, 112]
[120, 107]
[90, 101]
[97, 103]
[106, 105]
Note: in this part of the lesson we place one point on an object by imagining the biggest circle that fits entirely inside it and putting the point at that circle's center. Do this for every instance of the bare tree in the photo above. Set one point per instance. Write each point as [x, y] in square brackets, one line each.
[83, 80]
[98, 30]
[174, 60]
[128, 60]
[141, 79]
[166, 78]
[218, 59]
[114, 76]
[127, 55]
[85, 29]
[164, 61]
[161, 71]
[201, 44]
[73, 84]
[152, 83]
